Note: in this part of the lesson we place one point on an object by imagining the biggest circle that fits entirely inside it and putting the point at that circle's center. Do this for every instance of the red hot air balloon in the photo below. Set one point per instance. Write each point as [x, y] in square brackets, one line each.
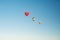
[26, 13]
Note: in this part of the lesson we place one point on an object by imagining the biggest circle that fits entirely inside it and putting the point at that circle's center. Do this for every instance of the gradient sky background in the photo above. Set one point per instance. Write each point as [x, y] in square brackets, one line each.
[14, 25]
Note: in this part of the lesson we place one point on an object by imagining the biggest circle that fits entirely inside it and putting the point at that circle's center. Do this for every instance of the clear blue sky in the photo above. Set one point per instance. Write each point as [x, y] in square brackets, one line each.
[14, 25]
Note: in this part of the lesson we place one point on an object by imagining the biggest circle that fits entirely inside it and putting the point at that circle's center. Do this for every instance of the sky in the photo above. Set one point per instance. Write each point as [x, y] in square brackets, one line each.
[14, 25]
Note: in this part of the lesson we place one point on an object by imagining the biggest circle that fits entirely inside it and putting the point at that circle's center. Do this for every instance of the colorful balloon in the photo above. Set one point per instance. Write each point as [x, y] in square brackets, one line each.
[26, 13]
[40, 22]
[33, 18]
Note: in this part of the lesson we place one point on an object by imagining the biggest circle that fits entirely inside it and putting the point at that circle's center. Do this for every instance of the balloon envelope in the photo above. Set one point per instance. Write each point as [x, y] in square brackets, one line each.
[26, 13]
[40, 22]
[33, 18]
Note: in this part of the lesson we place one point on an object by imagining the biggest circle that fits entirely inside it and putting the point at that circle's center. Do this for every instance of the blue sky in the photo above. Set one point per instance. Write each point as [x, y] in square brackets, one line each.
[14, 25]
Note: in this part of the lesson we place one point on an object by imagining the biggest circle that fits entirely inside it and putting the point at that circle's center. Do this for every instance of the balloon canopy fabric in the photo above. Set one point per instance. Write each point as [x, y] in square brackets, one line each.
[26, 13]
[33, 18]
[39, 22]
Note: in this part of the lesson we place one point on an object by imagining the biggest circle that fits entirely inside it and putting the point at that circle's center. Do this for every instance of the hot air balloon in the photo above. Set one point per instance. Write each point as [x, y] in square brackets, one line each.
[26, 13]
[33, 18]
[39, 22]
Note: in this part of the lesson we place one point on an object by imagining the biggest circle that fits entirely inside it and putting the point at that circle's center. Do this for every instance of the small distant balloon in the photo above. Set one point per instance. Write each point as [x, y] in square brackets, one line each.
[39, 22]
[26, 13]
[33, 18]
